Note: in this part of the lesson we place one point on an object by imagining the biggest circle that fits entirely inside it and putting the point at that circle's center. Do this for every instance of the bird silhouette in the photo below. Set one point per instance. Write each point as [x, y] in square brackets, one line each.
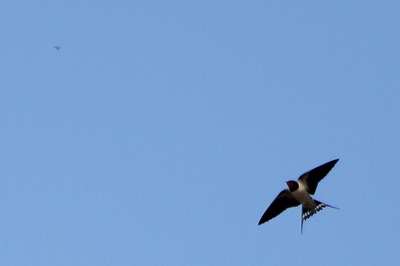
[299, 193]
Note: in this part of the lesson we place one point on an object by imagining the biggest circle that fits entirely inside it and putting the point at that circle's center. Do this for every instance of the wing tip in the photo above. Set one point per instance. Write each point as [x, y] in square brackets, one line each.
[334, 161]
[261, 221]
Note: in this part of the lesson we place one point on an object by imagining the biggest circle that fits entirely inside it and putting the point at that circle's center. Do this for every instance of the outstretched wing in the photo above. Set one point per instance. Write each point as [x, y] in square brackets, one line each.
[283, 201]
[311, 178]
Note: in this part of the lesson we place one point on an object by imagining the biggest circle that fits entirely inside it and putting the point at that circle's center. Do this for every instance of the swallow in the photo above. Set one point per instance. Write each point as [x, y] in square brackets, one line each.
[299, 193]
[57, 48]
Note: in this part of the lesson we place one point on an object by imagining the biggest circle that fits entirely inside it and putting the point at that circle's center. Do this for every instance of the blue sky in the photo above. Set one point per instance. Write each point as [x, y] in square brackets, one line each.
[161, 131]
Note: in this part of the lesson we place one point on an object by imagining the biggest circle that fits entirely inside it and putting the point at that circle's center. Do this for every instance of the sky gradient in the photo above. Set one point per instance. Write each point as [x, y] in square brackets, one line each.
[160, 131]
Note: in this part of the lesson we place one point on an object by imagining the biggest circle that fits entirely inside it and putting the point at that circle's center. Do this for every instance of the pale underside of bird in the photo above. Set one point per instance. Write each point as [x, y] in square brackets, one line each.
[299, 193]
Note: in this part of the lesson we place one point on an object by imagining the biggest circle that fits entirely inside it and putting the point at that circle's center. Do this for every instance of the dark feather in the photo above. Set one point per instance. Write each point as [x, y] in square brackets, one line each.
[312, 177]
[283, 201]
[307, 213]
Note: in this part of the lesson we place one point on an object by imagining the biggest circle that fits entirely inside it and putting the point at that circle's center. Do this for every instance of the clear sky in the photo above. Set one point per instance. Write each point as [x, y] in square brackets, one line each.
[160, 131]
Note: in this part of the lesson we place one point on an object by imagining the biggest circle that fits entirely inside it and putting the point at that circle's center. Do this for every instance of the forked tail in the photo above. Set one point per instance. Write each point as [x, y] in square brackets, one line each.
[307, 213]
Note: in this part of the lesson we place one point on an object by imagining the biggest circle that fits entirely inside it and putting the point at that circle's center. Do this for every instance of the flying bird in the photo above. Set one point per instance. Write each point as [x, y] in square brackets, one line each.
[57, 48]
[299, 192]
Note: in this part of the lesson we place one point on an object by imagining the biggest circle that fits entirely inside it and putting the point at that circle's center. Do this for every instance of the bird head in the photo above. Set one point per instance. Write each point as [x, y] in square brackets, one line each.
[292, 185]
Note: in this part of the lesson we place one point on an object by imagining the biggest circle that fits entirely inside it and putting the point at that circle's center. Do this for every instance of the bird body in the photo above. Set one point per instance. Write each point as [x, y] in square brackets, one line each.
[299, 193]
